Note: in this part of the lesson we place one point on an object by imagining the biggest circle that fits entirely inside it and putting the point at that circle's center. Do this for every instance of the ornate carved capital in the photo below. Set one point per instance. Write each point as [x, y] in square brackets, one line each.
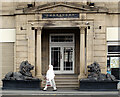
[82, 30]
[39, 30]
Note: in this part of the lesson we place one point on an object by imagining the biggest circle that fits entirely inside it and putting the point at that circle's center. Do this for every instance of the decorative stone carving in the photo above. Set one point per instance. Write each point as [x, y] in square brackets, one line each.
[96, 75]
[23, 74]
[61, 9]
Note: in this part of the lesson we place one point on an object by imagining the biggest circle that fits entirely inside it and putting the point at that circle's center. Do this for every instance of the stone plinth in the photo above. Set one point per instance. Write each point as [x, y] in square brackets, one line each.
[98, 86]
[21, 84]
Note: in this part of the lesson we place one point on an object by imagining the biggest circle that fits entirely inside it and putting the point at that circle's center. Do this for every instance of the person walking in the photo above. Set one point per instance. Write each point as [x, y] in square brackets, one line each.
[50, 79]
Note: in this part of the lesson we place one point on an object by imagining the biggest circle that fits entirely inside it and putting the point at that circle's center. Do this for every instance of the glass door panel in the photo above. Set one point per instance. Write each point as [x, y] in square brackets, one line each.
[55, 58]
[68, 59]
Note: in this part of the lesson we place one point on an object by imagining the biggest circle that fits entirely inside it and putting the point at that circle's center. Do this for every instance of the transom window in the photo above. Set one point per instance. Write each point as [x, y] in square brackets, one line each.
[62, 38]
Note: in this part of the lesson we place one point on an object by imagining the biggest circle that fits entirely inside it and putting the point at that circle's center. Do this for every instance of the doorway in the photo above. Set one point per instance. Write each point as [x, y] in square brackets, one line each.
[62, 53]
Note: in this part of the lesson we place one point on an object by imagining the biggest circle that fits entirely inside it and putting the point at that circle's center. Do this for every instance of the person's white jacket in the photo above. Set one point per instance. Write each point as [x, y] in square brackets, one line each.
[50, 78]
[50, 73]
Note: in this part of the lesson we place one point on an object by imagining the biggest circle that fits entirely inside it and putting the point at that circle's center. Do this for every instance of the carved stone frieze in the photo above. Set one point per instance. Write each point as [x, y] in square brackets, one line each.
[62, 8]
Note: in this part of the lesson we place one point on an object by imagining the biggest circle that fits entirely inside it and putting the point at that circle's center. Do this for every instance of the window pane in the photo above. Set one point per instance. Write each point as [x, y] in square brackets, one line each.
[55, 58]
[62, 38]
[113, 49]
[68, 56]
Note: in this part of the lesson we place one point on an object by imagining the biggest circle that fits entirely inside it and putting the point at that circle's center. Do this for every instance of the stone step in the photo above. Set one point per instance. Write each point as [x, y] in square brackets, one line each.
[65, 80]
[65, 83]
[69, 81]
[64, 76]
[67, 86]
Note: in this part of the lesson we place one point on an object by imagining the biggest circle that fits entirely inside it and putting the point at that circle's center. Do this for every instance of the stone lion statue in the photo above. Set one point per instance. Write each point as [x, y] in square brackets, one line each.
[23, 73]
[96, 75]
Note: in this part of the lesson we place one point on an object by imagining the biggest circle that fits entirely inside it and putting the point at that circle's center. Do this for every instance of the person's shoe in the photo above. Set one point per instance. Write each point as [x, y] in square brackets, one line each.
[55, 90]
[44, 89]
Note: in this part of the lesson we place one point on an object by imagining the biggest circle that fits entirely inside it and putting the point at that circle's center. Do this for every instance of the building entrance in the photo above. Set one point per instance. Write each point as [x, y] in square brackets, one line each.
[62, 53]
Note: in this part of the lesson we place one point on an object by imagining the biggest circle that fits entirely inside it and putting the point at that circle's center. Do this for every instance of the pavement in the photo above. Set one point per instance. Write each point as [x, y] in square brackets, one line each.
[58, 93]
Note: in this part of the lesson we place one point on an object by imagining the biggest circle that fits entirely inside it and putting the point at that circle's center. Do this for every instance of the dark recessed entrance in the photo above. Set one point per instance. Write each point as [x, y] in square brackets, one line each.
[63, 48]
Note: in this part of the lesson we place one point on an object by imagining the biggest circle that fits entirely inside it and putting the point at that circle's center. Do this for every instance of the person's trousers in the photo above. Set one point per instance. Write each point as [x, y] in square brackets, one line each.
[52, 84]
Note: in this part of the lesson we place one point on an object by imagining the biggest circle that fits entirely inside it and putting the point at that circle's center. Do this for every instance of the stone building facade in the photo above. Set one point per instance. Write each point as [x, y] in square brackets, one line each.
[68, 35]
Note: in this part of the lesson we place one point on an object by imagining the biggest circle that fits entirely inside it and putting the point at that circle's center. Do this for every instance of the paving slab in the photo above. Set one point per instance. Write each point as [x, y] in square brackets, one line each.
[59, 92]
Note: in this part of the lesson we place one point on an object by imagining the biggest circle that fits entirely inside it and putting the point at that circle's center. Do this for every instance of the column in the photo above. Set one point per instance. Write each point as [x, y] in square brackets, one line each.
[39, 55]
[82, 53]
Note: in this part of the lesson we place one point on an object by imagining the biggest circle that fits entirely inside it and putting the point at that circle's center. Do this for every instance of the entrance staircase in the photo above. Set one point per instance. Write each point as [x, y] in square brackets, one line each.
[65, 81]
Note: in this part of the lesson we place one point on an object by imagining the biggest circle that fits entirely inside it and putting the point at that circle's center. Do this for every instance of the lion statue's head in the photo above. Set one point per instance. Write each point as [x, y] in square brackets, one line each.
[95, 67]
[25, 68]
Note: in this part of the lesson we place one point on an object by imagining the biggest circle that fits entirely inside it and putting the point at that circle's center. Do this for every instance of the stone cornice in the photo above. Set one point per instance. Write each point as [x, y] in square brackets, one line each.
[53, 7]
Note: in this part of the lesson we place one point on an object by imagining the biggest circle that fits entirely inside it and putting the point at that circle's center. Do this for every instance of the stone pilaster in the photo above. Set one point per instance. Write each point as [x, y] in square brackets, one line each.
[39, 55]
[82, 53]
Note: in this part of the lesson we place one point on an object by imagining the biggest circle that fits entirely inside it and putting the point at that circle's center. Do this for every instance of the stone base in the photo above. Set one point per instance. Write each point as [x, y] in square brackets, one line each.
[98, 86]
[21, 84]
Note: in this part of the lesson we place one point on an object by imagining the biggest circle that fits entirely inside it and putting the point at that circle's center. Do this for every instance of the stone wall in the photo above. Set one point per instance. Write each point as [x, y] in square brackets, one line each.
[100, 51]
[21, 44]
[6, 48]
[6, 58]
[0, 63]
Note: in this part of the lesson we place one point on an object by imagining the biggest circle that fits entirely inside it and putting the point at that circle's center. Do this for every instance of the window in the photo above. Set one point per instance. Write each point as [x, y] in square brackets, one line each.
[113, 59]
[114, 49]
[62, 38]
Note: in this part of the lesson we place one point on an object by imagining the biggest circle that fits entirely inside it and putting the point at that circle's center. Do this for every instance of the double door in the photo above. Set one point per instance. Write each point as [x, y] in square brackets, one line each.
[62, 58]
